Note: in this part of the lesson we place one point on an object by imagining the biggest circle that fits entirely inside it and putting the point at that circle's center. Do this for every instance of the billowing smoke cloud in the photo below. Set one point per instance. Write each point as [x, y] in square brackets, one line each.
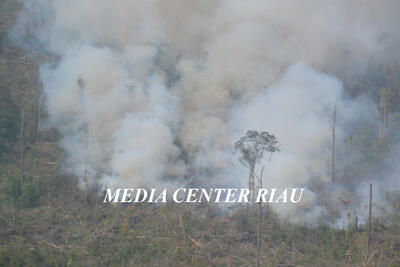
[299, 110]
[156, 92]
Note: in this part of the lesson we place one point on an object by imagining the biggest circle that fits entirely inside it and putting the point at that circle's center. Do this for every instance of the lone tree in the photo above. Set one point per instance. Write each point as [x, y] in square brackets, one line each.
[252, 147]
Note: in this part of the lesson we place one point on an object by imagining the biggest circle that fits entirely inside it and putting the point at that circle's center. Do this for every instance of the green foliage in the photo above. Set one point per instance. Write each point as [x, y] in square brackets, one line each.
[31, 194]
[12, 189]
[9, 116]
[28, 196]
[253, 145]
[25, 256]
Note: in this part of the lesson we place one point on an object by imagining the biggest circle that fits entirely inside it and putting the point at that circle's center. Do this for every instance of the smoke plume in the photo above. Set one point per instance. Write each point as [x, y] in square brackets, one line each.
[155, 93]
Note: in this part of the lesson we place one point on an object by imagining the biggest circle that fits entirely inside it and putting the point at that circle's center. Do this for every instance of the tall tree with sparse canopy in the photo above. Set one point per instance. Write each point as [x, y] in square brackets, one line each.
[252, 147]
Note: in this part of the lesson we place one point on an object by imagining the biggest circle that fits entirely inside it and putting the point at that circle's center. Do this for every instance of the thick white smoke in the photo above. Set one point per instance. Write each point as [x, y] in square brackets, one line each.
[156, 92]
[299, 110]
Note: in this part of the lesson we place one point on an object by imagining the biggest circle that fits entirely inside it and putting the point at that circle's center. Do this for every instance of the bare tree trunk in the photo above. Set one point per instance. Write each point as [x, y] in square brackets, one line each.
[351, 152]
[259, 221]
[252, 184]
[378, 129]
[22, 146]
[369, 218]
[14, 214]
[259, 234]
[39, 118]
[384, 118]
[355, 222]
[86, 168]
[248, 202]
[81, 84]
[251, 189]
[333, 144]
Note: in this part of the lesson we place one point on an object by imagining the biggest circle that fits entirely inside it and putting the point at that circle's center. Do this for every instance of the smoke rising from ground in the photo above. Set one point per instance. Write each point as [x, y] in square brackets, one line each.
[171, 85]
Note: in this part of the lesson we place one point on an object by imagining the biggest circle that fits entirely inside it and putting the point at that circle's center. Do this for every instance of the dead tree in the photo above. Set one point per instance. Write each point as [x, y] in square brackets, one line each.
[333, 143]
[355, 222]
[82, 84]
[260, 180]
[351, 151]
[22, 146]
[369, 219]
[39, 115]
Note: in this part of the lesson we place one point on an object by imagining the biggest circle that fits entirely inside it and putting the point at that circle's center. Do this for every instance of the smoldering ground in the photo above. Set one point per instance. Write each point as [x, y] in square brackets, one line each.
[171, 85]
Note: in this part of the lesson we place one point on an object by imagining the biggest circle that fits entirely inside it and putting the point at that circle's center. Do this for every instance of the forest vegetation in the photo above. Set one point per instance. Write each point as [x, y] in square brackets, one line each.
[47, 220]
